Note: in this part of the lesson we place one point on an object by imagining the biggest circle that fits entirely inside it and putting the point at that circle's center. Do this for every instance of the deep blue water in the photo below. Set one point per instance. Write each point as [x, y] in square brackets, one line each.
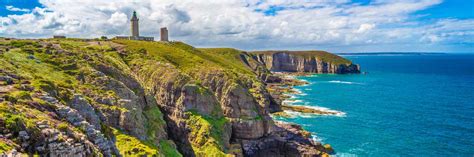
[406, 105]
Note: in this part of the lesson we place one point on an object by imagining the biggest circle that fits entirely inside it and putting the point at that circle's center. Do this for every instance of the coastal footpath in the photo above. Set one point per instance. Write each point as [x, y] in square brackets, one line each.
[78, 97]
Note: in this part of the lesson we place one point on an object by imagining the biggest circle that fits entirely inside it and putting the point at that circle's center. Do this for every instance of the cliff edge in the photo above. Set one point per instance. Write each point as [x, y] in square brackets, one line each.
[305, 62]
[74, 97]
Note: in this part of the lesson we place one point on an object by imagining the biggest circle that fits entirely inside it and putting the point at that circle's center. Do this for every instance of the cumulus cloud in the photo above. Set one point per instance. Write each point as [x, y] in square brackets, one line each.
[246, 24]
[12, 8]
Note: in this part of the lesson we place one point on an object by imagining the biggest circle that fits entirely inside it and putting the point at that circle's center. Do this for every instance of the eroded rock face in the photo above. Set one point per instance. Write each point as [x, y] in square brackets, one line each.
[285, 140]
[205, 111]
[289, 62]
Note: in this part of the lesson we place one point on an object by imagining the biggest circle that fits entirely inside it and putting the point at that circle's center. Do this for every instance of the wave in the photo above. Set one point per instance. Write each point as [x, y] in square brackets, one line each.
[291, 101]
[304, 80]
[294, 114]
[344, 82]
[325, 109]
[297, 91]
[342, 154]
[315, 138]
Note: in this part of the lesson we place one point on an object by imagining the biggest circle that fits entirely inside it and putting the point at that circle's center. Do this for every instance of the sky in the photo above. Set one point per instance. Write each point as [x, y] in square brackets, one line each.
[340, 26]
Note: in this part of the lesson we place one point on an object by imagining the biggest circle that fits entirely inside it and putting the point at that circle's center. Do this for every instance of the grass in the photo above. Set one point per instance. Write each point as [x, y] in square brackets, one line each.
[155, 122]
[4, 146]
[226, 57]
[153, 64]
[131, 146]
[206, 133]
[31, 68]
[178, 57]
[323, 55]
[188, 59]
[62, 73]
[168, 149]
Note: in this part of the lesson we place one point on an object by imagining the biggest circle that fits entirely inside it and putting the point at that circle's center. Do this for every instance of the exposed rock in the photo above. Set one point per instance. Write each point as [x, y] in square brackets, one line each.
[285, 140]
[23, 135]
[222, 108]
[294, 61]
[86, 110]
[328, 148]
[7, 79]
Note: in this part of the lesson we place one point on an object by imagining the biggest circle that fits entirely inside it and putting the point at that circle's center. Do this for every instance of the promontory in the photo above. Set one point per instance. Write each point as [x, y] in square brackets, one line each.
[90, 97]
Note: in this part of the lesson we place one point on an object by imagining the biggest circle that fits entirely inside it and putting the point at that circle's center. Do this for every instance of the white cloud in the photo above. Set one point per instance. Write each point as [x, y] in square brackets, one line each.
[12, 8]
[243, 24]
[118, 18]
[365, 27]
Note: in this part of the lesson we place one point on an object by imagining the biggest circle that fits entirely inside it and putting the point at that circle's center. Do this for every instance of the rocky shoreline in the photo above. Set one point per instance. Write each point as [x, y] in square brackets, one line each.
[282, 89]
[131, 98]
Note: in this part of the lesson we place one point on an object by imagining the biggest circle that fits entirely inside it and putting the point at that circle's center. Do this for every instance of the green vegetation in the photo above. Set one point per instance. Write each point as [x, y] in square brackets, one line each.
[168, 149]
[226, 57]
[206, 134]
[131, 146]
[4, 147]
[16, 119]
[189, 59]
[63, 67]
[155, 121]
[178, 57]
[323, 55]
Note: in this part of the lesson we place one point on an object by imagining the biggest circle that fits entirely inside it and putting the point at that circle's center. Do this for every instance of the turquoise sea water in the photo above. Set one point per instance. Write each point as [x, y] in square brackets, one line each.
[406, 105]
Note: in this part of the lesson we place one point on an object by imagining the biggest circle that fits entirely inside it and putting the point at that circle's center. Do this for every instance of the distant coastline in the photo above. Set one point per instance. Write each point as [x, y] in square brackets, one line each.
[390, 53]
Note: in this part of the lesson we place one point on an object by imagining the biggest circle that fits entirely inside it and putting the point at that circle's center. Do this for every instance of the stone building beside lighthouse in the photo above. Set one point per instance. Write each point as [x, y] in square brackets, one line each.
[135, 30]
[164, 34]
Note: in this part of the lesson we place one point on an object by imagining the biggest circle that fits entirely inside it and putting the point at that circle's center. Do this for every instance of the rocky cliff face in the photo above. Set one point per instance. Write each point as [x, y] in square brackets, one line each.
[130, 98]
[305, 61]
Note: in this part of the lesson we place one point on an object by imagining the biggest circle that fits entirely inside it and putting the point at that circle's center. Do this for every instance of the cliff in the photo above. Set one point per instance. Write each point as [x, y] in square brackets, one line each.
[132, 98]
[305, 61]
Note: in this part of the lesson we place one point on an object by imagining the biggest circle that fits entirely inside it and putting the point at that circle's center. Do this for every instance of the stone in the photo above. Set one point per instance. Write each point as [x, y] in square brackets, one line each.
[287, 61]
[7, 79]
[164, 34]
[85, 110]
[328, 148]
[40, 149]
[31, 57]
[23, 135]
[26, 87]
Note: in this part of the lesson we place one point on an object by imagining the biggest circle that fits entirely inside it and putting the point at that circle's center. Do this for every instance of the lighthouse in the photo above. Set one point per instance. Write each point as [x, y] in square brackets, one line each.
[134, 25]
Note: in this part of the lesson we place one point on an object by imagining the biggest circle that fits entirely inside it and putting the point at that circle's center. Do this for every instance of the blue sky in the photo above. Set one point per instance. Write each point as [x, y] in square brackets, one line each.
[338, 25]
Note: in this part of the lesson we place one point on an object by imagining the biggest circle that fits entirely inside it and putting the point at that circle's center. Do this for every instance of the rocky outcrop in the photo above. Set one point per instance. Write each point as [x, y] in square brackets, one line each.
[133, 98]
[285, 140]
[306, 61]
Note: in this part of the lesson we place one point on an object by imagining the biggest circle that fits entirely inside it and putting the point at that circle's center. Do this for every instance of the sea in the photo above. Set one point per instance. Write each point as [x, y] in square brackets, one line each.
[400, 105]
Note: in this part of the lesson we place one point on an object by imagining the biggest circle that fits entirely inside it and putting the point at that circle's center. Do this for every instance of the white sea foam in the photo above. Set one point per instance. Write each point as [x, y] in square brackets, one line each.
[303, 80]
[292, 101]
[297, 91]
[344, 82]
[343, 154]
[316, 138]
[294, 114]
[324, 109]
